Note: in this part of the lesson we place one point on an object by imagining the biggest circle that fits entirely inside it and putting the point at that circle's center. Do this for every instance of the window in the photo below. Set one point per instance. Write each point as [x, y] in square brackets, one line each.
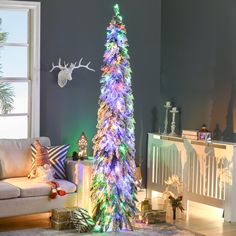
[20, 67]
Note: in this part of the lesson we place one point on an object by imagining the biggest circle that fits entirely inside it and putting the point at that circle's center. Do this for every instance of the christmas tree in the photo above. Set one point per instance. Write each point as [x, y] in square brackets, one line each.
[113, 185]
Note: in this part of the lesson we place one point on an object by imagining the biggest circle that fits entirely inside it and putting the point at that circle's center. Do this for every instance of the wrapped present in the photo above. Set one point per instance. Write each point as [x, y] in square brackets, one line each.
[61, 218]
[82, 220]
[145, 206]
[139, 218]
[151, 217]
[155, 216]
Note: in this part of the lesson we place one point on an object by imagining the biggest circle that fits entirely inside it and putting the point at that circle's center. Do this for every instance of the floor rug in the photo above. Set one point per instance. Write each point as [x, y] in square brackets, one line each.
[154, 230]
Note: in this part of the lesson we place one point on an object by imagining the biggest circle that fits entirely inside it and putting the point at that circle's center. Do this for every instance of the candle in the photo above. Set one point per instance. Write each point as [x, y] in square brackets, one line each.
[168, 103]
[174, 108]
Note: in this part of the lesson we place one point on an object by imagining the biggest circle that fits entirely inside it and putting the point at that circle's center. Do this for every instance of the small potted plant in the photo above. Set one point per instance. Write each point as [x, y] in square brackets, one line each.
[175, 199]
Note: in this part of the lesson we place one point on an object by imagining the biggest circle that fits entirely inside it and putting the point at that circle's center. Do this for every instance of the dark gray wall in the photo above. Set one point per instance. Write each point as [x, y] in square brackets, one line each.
[198, 70]
[71, 29]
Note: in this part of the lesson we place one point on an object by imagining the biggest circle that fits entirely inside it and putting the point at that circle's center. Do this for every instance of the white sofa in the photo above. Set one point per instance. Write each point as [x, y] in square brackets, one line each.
[20, 195]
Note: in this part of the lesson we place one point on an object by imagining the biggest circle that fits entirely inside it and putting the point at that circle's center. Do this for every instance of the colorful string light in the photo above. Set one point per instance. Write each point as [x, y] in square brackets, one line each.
[113, 184]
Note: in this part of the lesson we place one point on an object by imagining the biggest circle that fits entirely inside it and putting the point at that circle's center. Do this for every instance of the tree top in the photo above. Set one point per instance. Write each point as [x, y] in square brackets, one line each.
[117, 11]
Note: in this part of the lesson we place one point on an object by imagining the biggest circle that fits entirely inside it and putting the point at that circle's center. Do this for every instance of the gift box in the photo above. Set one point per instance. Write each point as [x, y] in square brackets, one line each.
[145, 206]
[155, 216]
[82, 220]
[151, 217]
[190, 134]
[139, 217]
[61, 218]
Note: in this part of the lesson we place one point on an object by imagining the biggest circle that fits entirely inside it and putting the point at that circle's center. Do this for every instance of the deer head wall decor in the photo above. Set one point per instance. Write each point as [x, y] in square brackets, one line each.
[66, 70]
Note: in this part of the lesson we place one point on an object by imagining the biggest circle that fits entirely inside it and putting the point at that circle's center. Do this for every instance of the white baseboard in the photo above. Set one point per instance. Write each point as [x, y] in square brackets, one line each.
[200, 208]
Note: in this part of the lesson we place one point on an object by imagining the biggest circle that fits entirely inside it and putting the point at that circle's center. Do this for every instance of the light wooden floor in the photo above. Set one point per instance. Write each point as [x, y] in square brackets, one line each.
[199, 218]
[202, 219]
[207, 222]
[196, 221]
[25, 222]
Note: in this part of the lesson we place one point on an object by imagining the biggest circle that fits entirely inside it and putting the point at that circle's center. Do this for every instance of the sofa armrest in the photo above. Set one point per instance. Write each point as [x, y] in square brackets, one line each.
[72, 171]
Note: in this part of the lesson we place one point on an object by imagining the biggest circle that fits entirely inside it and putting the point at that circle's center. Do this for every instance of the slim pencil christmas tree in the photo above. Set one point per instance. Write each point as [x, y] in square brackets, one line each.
[113, 185]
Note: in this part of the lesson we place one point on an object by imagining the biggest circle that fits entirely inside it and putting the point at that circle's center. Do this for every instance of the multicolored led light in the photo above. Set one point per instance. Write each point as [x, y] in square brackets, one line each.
[113, 185]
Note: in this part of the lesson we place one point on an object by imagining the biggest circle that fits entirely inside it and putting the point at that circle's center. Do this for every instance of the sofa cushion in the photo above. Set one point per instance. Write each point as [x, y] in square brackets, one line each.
[15, 156]
[57, 158]
[8, 191]
[30, 188]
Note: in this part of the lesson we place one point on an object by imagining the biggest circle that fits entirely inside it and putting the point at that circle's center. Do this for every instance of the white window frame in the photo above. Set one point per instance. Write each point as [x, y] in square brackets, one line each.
[34, 64]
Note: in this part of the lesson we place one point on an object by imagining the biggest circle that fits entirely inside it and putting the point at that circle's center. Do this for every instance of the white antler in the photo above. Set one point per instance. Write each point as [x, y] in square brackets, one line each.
[73, 65]
[65, 72]
[59, 66]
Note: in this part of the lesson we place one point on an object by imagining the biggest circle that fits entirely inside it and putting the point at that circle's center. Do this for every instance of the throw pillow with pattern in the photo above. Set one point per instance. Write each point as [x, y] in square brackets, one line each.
[57, 158]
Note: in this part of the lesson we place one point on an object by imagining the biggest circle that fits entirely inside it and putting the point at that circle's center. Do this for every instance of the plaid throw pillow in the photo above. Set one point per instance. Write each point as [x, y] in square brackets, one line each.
[57, 157]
